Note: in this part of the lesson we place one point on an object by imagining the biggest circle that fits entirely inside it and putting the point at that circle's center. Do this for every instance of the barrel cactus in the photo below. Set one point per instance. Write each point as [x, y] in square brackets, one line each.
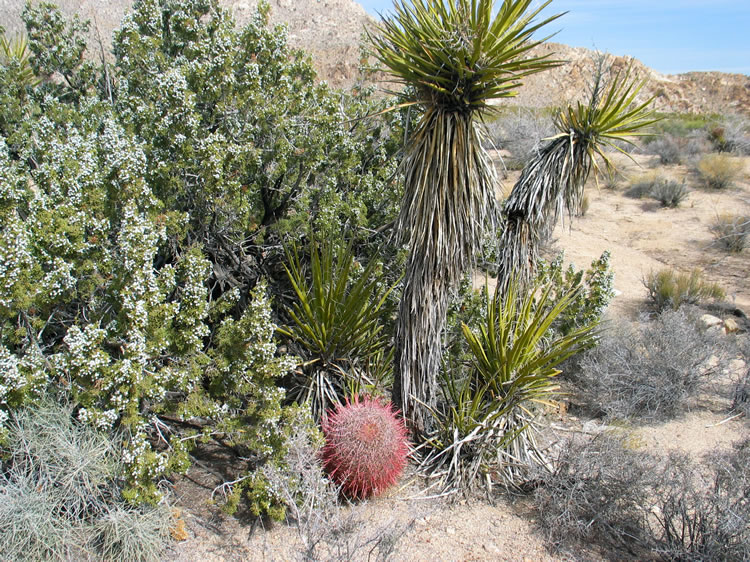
[366, 446]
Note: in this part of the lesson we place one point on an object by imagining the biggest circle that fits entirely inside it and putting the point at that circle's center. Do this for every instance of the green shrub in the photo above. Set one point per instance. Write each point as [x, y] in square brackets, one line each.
[592, 291]
[719, 171]
[731, 232]
[62, 497]
[669, 289]
[141, 210]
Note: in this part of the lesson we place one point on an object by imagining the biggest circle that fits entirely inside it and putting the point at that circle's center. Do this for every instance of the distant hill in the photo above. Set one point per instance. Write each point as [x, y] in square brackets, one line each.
[330, 30]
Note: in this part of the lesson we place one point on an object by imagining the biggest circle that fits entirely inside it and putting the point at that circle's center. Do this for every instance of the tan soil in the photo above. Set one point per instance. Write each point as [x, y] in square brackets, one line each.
[641, 236]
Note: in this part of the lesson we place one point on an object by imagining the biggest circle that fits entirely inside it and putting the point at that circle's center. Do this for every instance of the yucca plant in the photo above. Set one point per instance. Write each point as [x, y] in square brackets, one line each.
[456, 56]
[484, 429]
[554, 180]
[335, 324]
[14, 53]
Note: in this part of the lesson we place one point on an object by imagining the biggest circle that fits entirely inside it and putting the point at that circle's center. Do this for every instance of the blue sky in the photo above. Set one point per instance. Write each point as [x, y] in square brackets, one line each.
[670, 36]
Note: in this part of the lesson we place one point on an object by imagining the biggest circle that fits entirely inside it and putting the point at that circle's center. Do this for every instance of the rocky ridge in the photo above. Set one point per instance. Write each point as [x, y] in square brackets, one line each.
[331, 31]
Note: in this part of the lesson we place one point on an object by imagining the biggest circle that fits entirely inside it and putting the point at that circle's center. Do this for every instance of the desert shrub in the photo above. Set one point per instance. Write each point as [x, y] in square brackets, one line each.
[669, 193]
[366, 446]
[595, 494]
[592, 288]
[649, 372]
[703, 513]
[642, 185]
[741, 394]
[668, 148]
[483, 424]
[669, 289]
[608, 492]
[719, 171]
[731, 232]
[62, 497]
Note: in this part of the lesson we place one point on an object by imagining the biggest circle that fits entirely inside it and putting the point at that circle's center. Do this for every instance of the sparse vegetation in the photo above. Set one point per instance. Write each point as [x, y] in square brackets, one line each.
[670, 289]
[649, 372]
[642, 185]
[719, 171]
[596, 493]
[731, 232]
[668, 192]
[610, 493]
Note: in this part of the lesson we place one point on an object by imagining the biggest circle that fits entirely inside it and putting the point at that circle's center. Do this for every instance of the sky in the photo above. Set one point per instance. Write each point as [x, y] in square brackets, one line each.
[670, 36]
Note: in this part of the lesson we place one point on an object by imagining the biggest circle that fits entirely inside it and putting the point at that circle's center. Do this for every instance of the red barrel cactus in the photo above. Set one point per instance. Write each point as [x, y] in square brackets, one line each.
[366, 446]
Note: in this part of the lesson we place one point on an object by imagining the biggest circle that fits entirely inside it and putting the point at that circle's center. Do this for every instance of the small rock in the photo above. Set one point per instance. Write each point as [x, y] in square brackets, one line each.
[709, 320]
[730, 326]
[450, 530]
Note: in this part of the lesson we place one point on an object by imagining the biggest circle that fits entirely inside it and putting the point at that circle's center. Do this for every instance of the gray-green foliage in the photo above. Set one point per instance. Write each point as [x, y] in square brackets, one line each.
[60, 493]
[139, 221]
[632, 503]
[650, 372]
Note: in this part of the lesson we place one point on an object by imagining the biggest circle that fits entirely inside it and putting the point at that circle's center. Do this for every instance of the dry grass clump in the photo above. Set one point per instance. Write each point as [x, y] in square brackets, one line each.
[670, 289]
[731, 232]
[60, 494]
[719, 171]
[650, 372]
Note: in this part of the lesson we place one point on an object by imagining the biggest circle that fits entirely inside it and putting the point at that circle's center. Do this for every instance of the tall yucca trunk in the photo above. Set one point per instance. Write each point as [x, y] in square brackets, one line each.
[449, 193]
[550, 183]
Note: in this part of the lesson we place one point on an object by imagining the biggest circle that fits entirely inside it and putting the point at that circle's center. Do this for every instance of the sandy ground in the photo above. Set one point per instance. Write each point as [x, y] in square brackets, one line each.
[641, 237]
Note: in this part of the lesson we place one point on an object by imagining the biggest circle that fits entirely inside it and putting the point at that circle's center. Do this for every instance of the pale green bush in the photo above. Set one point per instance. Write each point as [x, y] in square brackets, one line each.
[719, 171]
[670, 289]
